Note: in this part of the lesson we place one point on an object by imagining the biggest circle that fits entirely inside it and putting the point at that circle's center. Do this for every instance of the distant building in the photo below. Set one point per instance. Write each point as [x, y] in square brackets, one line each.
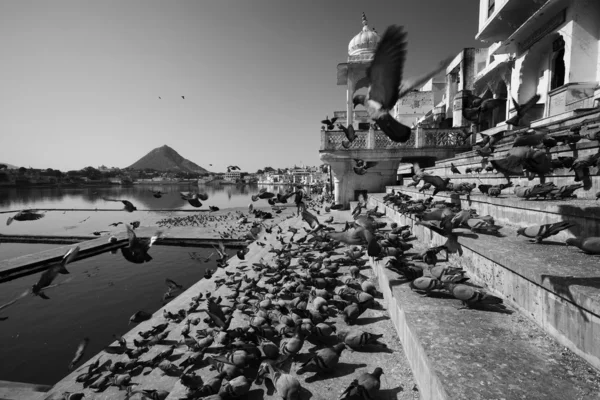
[232, 176]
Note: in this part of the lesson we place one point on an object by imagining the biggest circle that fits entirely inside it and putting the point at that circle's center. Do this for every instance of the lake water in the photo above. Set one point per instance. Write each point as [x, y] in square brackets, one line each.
[84, 223]
[40, 337]
[101, 293]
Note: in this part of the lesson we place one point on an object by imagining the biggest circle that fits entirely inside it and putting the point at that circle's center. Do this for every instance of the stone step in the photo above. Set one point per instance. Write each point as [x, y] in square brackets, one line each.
[476, 354]
[581, 148]
[517, 212]
[557, 287]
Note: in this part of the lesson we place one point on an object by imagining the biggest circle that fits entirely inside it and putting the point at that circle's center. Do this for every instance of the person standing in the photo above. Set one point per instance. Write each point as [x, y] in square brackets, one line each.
[299, 197]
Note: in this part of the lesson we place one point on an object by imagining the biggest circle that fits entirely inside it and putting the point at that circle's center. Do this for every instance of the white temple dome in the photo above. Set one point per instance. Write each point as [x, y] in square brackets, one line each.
[365, 42]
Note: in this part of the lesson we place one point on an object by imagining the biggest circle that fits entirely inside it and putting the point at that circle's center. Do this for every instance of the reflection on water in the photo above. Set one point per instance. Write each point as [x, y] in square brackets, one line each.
[222, 196]
[102, 292]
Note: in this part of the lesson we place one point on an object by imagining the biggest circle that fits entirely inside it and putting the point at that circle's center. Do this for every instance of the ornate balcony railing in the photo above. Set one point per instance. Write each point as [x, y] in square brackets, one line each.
[446, 138]
[377, 140]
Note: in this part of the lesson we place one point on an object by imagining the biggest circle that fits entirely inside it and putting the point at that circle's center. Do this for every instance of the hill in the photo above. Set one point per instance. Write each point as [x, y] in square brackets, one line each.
[9, 166]
[165, 159]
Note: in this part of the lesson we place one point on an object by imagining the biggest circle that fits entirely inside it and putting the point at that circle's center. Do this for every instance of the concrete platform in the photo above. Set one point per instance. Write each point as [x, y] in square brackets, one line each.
[556, 287]
[517, 212]
[397, 383]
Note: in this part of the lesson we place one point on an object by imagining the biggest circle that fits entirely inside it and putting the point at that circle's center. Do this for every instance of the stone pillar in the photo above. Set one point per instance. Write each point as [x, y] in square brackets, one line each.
[459, 103]
[419, 137]
[347, 181]
[349, 104]
[324, 140]
[371, 138]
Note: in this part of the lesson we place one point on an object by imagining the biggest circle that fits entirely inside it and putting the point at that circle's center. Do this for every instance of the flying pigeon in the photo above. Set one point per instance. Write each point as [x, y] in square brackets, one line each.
[386, 85]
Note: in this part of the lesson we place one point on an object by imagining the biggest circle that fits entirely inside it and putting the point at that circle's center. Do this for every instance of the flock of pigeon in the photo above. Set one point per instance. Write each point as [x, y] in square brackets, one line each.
[286, 304]
[444, 217]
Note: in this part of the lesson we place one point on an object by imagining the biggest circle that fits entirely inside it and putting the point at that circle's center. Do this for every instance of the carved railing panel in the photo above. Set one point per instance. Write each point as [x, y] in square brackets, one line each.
[334, 141]
[445, 138]
[384, 142]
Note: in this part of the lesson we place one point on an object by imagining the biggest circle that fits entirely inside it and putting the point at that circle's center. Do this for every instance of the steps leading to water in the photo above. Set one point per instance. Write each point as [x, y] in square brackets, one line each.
[555, 286]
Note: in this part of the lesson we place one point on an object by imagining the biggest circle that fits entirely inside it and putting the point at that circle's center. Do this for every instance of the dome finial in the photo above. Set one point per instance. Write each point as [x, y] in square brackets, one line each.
[364, 19]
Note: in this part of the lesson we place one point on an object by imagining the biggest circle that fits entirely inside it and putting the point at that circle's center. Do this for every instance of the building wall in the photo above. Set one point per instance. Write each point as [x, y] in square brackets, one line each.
[483, 10]
[413, 106]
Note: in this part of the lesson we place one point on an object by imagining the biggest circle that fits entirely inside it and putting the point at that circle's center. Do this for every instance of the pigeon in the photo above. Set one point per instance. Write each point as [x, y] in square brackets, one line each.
[25, 215]
[366, 386]
[386, 85]
[565, 191]
[582, 165]
[362, 166]
[129, 207]
[471, 296]
[194, 198]
[329, 123]
[286, 385]
[454, 169]
[539, 190]
[441, 185]
[325, 359]
[589, 245]
[349, 132]
[541, 232]
[137, 250]
[51, 273]
[475, 114]
[158, 194]
[79, 353]
[425, 187]
[233, 168]
[522, 109]
[140, 316]
[183, 97]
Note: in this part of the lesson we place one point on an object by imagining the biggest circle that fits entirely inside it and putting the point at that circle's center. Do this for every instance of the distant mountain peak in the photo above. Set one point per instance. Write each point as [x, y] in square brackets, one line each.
[165, 158]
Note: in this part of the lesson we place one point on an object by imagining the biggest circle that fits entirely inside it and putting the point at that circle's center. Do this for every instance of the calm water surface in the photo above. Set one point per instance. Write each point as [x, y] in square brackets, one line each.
[101, 293]
[86, 222]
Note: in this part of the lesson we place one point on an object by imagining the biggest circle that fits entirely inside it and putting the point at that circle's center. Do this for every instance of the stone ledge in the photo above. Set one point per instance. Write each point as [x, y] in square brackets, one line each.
[558, 288]
[518, 212]
[474, 354]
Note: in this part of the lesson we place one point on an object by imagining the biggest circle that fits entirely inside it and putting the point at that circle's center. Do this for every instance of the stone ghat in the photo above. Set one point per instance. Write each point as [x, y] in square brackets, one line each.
[479, 354]
[517, 212]
[557, 287]
[397, 381]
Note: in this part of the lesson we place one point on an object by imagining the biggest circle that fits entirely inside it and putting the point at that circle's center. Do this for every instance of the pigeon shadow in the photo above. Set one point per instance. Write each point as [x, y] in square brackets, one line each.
[398, 282]
[549, 242]
[256, 394]
[341, 369]
[561, 285]
[373, 348]
[390, 393]
[496, 308]
[370, 320]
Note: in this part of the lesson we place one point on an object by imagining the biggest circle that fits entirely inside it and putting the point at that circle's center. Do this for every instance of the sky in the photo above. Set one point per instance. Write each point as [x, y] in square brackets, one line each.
[80, 80]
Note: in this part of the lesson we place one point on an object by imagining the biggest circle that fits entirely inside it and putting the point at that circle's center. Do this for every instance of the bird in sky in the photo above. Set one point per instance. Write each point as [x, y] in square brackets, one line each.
[183, 97]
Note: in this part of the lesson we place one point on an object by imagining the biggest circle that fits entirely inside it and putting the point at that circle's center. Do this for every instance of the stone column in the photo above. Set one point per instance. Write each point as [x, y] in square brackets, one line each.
[323, 140]
[371, 139]
[374, 181]
[349, 104]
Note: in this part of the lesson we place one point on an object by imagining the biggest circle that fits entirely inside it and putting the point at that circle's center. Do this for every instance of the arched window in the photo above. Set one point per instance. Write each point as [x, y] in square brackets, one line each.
[558, 64]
